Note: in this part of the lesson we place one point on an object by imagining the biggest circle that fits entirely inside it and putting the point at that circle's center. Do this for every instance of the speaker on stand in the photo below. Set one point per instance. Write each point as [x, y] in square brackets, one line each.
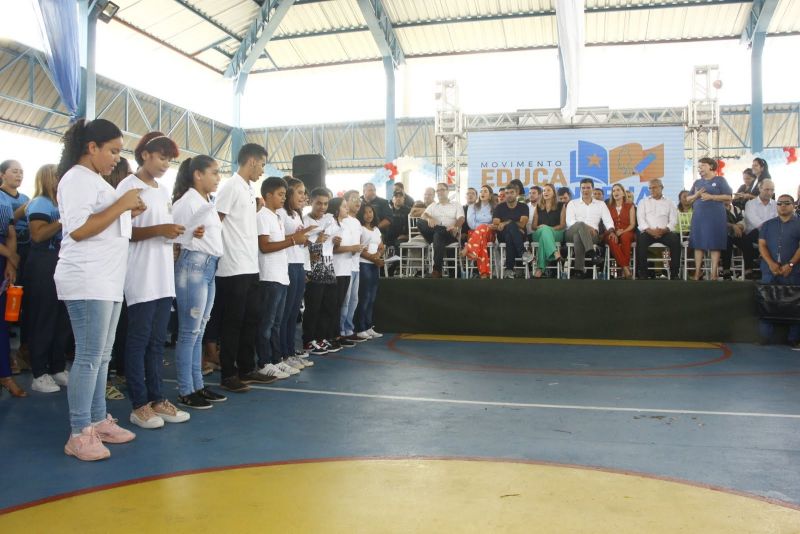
[310, 169]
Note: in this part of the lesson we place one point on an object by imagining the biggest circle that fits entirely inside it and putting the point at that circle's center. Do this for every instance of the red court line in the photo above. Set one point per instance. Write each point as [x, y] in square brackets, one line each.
[130, 482]
[444, 365]
[726, 354]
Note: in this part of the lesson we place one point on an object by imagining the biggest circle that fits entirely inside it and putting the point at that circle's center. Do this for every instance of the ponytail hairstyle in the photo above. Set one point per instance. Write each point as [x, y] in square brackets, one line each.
[333, 208]
[76, 140]
[6, 165]
[155, 142]
[291, 188]
[185, 177]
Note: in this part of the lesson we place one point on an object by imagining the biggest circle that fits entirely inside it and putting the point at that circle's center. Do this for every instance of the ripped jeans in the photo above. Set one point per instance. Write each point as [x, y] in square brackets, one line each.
[194, 291]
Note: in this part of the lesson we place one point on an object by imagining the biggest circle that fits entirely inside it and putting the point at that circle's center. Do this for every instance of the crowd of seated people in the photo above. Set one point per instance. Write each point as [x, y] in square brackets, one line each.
[705, 229]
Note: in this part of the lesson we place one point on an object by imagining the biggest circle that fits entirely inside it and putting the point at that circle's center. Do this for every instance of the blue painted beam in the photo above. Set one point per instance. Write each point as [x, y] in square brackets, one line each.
[255, 41]
[380, 26]
[758, 19]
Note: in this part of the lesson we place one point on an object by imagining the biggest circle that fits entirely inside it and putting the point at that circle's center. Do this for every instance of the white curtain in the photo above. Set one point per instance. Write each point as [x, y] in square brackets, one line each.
[571, 36]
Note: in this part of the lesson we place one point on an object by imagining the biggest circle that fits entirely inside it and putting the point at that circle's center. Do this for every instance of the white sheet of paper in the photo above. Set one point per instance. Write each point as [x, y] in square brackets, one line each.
[196, 220]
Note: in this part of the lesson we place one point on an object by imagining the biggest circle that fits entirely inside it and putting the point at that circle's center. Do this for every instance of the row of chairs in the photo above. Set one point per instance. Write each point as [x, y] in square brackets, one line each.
[416, 259]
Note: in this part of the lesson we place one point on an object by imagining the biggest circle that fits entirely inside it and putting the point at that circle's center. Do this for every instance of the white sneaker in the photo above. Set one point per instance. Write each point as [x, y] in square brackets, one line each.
[169, 412]
[45, 384]
[145, 417]
[305, 361]
[62, 378]
[296, 362]
[364, 335]
[373, 333]
[272, 370]
[286, 368]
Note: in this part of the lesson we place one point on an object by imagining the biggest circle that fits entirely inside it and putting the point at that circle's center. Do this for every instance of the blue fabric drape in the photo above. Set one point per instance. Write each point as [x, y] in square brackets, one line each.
[58, 21]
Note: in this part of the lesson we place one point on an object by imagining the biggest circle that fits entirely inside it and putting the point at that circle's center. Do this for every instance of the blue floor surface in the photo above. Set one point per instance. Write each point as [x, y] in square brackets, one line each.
[724, 416]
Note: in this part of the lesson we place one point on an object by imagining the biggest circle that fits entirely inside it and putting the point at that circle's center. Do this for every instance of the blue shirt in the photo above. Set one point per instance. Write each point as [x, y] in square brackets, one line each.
[481, 216]
[21, 226]
[6, 216]
[44, 209]
[782, 238]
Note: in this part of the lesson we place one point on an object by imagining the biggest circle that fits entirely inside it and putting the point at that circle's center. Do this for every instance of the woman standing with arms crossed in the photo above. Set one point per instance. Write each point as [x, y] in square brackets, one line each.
[90, 274]
[195, 270]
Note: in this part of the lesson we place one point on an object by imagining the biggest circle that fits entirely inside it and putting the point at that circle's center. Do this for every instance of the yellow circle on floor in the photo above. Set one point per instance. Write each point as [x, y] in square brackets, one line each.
[407, 495]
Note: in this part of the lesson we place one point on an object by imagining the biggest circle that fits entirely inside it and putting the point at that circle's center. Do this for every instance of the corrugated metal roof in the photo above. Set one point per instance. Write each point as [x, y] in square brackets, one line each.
[334, 31]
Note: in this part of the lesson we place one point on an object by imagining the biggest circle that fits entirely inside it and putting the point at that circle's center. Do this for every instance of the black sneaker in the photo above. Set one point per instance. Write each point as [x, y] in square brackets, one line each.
[344, 342]
[254, 377]
[211, 396]
[232, 383]
[194, 400]
[332, 346]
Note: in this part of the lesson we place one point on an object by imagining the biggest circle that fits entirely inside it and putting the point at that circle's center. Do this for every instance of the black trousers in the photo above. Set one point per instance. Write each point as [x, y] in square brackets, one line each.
[440, 237]
[745, 244]
[671, 240]
[240, 303]
[321, 314]
[514, 239]
[46, 316]
[342, 285]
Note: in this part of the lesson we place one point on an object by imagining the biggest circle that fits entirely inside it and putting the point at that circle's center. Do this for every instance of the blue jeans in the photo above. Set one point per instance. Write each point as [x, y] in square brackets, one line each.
[367, 291]
[273, 303]
[144, 350]
[94, 324]
[194, 291]
[294, 297]
[349, 306]
[765, 328]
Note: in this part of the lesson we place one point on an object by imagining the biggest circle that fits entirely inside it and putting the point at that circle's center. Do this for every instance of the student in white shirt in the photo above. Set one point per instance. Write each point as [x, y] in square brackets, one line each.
[275, 280]
[371, 263]
[292, 216]
[320, 315]
[195, 269]
[658, 219]
[345, 245]
[583, 223]
[238, 294]
[90, 275]
[351, 235]
[150, 284]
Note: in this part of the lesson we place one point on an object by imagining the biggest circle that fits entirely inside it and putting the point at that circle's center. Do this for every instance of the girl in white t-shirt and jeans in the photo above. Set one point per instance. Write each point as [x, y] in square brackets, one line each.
[371, 262]
[195, 273]
[150, 284]
[90, 274]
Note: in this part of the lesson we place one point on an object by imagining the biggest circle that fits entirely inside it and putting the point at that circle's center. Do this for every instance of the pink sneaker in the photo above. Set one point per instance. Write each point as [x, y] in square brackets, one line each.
[86, 446]
[110, 432]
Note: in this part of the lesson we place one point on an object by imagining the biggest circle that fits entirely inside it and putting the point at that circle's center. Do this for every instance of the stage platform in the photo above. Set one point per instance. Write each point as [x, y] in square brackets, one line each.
[723, 311]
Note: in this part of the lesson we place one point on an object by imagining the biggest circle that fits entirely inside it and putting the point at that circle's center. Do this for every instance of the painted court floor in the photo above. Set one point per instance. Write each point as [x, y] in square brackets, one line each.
[413, 433]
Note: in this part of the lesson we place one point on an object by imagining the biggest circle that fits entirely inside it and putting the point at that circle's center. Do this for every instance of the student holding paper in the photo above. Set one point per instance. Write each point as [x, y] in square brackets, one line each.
[201, 248]
[150, 284]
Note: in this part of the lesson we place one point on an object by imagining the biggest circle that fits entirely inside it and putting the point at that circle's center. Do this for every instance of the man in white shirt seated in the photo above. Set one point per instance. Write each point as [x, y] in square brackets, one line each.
[756, 212]
[583, 222]
[440, 225]
[657, 217]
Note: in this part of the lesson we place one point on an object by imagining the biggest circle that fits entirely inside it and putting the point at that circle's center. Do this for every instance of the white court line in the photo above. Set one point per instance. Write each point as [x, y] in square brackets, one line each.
[527, 405]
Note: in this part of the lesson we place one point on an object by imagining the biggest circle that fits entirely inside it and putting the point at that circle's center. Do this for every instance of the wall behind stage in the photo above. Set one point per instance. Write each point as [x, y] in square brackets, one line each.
[628, 156]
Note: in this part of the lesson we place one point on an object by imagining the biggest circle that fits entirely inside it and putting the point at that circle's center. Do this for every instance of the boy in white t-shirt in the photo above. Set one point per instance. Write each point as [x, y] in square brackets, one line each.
[273, 267]
[237, 275]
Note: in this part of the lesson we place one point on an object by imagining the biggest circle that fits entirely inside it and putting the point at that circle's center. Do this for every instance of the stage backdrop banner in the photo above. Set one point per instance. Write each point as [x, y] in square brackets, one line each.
[628, 156]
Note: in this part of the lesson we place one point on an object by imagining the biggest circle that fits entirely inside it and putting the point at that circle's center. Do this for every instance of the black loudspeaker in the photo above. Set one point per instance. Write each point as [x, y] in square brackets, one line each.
[310, 169]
